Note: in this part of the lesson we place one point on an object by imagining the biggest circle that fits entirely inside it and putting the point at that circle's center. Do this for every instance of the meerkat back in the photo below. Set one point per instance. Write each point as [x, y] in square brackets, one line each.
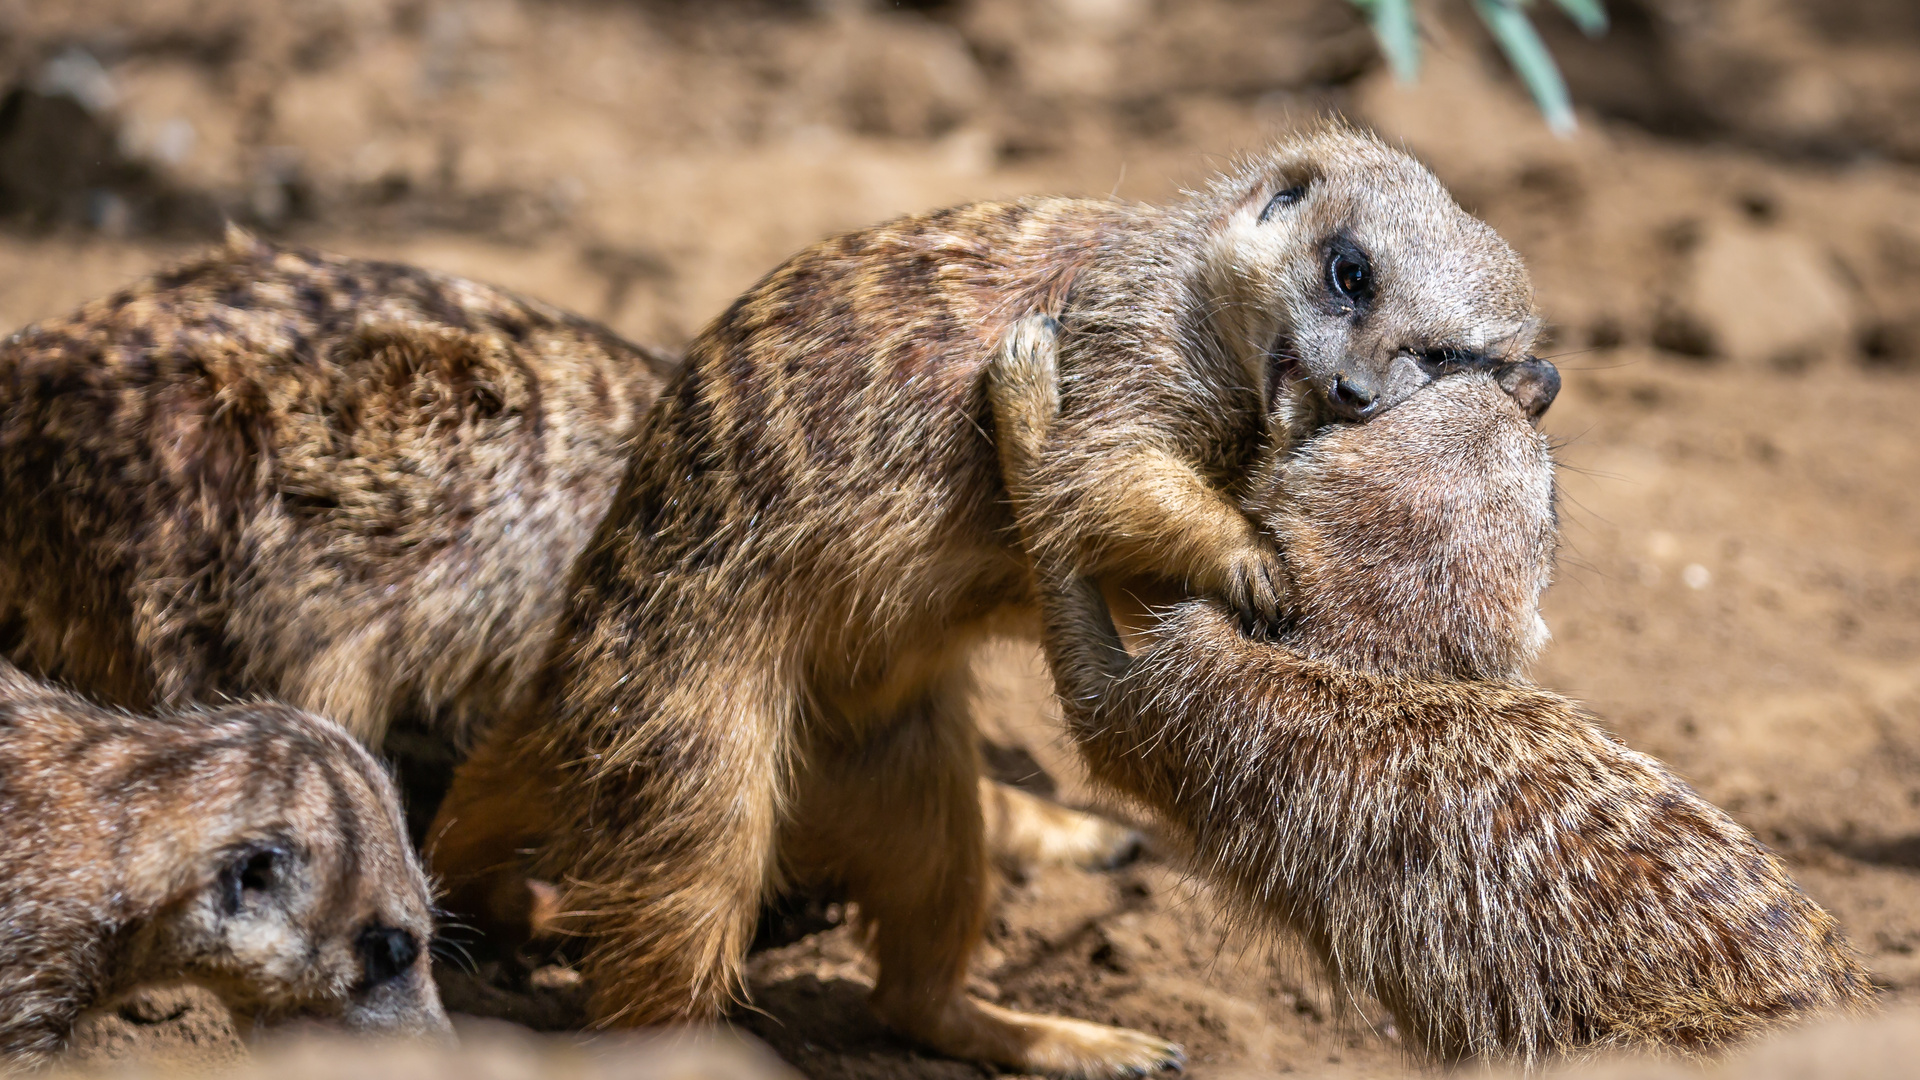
[355, 486]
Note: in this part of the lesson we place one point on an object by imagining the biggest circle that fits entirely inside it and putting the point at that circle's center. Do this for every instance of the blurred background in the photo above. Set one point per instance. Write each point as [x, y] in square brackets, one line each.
[1727, 253]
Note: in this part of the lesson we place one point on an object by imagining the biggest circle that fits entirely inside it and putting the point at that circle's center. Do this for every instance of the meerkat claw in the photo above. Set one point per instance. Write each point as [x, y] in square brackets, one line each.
[1256, 591]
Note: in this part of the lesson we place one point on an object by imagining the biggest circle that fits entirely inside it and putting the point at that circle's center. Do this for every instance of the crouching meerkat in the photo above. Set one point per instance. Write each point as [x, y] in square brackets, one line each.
[763, 675]
[1473, 852]
[253, 849]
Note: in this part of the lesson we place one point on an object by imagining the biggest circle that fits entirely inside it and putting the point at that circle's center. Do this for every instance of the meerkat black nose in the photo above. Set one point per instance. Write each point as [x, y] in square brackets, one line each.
[1351, 398]
[386, 953]
[1533, 382]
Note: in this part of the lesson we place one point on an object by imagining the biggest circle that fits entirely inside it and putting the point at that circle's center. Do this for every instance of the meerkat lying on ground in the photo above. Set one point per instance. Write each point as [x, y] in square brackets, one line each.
[1473, 852]
[764, 668]
[253, 849]
[351, 486]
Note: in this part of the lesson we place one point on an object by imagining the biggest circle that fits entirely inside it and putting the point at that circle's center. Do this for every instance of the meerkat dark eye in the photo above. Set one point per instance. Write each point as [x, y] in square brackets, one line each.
[1284, 197]
[1349, 273]
[386, 953]
[250, 875]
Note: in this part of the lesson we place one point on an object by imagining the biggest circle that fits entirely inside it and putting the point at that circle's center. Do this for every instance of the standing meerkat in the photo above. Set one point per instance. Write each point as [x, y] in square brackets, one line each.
[1471, 851]
[254, 849]
[763, 667]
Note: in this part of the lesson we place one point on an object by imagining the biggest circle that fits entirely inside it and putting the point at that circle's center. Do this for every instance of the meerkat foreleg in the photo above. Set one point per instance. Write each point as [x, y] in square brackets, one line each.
[1163, 519]
[1152, 514]
[1087, 653]
[1146, 514]
[1023, 384]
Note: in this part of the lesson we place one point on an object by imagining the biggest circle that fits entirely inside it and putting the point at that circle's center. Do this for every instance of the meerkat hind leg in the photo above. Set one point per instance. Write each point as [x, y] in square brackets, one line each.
[1025, 832]
[497, 807]
[665, 898]
[896, 819]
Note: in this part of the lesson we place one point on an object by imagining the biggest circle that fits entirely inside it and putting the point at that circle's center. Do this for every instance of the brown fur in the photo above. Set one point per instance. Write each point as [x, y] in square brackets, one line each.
[763, 669]
[253, 849]
[1473, 852]
[353, 486]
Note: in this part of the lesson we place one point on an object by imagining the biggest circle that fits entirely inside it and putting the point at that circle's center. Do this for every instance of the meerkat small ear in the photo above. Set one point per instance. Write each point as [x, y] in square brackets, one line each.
[1286, 196]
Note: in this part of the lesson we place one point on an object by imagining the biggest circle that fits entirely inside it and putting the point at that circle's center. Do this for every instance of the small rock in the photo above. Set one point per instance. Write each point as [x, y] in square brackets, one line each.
[1763, 296]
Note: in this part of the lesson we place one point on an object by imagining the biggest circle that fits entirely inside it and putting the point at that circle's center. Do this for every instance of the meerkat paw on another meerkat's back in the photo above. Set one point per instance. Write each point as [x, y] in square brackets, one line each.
[1023, 382]
[1256, 587]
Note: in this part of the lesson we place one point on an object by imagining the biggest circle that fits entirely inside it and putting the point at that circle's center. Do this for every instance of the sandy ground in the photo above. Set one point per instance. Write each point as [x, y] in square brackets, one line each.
[1728, 254]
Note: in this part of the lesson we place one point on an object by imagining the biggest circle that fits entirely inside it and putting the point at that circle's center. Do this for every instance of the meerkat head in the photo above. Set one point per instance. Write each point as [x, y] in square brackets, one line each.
[1420, 543]
[300, 896]
[1343, 276]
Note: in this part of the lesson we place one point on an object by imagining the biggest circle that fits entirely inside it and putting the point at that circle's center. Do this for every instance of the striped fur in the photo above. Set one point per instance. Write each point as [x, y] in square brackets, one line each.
[253, 849]
[355, 487]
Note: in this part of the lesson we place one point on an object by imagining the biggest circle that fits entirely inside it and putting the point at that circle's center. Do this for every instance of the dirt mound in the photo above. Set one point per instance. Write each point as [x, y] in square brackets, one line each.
[180, 1027]
[491, 1050]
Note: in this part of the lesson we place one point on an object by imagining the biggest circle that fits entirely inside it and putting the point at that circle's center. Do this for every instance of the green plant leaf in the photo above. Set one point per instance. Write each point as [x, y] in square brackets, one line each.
[1399, 37]
[1588, 15]
[1529, 57]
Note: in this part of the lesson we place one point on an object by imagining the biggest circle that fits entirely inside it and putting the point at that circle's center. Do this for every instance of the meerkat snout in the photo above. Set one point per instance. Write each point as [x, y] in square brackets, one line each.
[1533, 382]
[291, 928]
[386, 953]
[394, 969]
[1353, 395]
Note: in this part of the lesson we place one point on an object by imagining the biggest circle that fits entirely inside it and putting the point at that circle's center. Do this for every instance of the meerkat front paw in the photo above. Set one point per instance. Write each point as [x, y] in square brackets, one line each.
[1256, 588]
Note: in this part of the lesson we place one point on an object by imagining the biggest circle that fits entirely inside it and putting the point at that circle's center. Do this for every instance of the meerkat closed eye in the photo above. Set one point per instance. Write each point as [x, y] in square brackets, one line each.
[253, 849]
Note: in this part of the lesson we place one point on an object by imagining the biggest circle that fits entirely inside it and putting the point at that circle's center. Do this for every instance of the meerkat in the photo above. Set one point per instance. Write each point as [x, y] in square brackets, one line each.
[253, 849]
[762, 670]
[351, 486]
[1471, 851]
[348, 485]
